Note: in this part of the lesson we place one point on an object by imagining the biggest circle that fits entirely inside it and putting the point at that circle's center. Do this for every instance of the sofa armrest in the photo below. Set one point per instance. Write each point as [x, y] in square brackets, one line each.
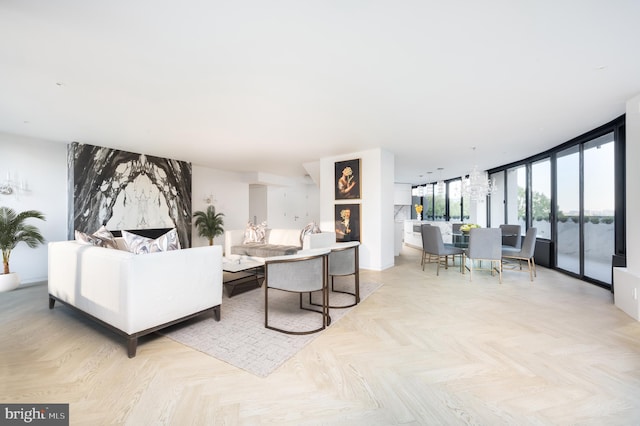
[321, 240]
[232, 238]
[170, 285]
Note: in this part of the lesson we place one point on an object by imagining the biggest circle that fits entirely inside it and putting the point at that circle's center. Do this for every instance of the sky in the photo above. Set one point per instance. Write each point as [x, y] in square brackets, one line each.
[598, 177]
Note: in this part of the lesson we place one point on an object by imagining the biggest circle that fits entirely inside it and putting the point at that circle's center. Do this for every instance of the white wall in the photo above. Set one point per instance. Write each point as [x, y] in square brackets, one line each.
[377, 226]
[294, 206]
[258, 208]
[626, 281]
[230, 196]
[43, 166]
[632, 122]
[402, 194]
[290, 205]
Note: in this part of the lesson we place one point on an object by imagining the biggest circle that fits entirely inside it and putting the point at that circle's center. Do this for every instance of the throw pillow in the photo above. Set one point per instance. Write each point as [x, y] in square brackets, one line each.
[140, 245]
[101, 238]
[311, 228]
[255, 233]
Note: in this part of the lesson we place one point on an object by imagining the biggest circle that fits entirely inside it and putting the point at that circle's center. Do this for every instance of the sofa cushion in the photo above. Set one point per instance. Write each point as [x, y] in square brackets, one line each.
[255, 233]
[311, 228]
[264, 250]
[101, 238]
[139, 245]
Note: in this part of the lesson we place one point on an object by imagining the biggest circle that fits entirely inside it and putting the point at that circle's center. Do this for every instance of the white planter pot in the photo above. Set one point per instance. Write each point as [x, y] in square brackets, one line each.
[9, 282]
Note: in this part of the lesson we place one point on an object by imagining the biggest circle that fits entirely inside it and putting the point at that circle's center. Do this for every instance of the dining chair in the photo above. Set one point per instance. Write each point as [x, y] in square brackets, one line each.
[298, 273]
[511, 236]
[526, 252]
[485, 244]
[455, 228]
[433, 245]
[424, 253]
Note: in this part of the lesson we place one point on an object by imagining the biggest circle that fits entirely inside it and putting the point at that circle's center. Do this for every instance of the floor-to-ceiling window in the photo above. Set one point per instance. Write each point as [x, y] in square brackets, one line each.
[599, 206]
[516, 196]
[440, 201]
[455, 198]
[497, 200]
[586, 204]
[568, 210]
[541, 197]
[574, 195]
[428, 203]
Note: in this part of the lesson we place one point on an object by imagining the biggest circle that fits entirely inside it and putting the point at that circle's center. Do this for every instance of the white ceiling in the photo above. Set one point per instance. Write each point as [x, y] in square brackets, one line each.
[270, 85]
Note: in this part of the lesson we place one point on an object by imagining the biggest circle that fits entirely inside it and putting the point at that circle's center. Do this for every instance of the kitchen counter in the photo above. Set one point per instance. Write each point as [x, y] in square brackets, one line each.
[413, 237]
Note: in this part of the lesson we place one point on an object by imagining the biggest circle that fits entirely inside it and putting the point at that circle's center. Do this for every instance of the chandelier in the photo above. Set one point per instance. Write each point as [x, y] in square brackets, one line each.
[477, 186]
[441, 187]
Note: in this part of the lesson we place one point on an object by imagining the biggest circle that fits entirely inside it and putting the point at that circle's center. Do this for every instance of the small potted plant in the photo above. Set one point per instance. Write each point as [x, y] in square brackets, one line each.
[14, 230]
[209, 223]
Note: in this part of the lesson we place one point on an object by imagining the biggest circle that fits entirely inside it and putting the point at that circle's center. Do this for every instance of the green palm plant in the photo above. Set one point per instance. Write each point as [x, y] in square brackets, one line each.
[209, 223]
[13, 230]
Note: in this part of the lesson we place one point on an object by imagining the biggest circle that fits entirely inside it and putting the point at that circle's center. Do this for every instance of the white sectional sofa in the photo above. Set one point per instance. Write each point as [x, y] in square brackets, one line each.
[135, 295]
[278, 242]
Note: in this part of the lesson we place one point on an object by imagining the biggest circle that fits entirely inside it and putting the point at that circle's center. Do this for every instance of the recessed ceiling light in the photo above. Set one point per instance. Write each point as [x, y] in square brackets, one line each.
[59, 84]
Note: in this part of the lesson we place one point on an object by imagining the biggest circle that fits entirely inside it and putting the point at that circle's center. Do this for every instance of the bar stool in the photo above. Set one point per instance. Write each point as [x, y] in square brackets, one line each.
[344, 261]
[298, 273]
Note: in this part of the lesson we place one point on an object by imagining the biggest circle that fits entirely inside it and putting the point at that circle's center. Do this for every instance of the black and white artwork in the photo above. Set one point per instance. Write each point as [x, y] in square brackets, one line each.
[347, 222]
[347, 179]
[125, 190]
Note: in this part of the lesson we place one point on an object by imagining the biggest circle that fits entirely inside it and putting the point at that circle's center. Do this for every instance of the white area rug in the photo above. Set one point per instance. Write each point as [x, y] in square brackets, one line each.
[240, 337]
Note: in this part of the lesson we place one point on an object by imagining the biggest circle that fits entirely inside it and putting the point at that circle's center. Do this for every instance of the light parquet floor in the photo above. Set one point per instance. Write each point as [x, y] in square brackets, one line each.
[422, 350]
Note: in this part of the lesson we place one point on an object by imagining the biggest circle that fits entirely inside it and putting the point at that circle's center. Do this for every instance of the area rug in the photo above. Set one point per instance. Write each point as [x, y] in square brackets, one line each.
[240, 337]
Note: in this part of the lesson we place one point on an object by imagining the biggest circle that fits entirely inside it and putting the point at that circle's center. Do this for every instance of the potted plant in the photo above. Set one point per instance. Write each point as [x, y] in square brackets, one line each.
[13, 230]
[209, 223]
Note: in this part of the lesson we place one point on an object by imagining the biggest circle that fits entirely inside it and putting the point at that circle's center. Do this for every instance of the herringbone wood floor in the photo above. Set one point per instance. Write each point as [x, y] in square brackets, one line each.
[421, 350]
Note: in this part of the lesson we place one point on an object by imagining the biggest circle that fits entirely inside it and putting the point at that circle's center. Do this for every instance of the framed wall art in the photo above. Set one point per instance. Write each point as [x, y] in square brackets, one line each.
[347, 220]
[347, 180]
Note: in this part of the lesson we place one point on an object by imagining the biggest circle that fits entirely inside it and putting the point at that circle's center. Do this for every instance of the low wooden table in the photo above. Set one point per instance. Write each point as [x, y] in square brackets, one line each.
[241, 274]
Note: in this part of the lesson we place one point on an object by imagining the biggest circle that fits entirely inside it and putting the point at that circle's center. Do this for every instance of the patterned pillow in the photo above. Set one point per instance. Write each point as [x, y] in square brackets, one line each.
[311, 228]
[140, 245]
[101, 238]
[255, 233]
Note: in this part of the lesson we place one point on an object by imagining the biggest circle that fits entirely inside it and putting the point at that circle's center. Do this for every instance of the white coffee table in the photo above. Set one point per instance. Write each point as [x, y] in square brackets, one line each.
[242, 274]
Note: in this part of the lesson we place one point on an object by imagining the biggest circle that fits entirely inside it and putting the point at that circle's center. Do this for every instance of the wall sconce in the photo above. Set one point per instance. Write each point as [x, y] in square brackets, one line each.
[10, 186]
[209, 199]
